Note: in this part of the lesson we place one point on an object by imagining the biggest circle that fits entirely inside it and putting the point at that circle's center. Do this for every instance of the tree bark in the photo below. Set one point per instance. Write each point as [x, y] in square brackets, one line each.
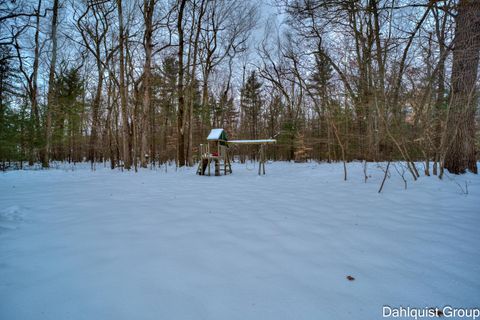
[95, 112]
[192, 85]
[127, 161]
[34, 89]
[180, 90]
[148, 7]
[51, 89]
[459, 140]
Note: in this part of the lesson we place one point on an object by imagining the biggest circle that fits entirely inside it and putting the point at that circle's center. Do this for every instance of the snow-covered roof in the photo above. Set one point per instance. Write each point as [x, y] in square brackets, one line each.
[217, 134]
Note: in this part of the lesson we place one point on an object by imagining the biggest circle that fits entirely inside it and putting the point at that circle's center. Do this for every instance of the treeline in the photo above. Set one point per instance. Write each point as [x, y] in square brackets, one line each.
[139, 83]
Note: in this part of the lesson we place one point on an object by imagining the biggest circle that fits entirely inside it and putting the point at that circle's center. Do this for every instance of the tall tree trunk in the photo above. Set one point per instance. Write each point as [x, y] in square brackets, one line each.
[148, 7]
[192, 85]
[127, 161]
[180, 90]
[51, 90]
[459, 137]
[96, 110]
[440, 100]
[34, 138]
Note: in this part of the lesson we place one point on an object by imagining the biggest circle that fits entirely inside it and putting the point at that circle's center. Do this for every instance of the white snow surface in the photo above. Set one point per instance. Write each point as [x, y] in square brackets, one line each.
[77, 244]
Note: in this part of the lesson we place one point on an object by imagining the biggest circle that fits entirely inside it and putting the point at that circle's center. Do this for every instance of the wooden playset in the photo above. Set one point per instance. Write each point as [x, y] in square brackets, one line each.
[216, 151]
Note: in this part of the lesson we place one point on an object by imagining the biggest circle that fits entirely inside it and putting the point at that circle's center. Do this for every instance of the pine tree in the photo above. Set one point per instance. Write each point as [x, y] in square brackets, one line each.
[66, 116]
[319, 84]
[165, 102]
[251, 105]
[10, 119]
[320, 79]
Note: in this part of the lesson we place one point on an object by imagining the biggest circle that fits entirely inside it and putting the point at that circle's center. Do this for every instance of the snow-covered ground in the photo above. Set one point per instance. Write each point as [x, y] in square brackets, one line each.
[173, 245]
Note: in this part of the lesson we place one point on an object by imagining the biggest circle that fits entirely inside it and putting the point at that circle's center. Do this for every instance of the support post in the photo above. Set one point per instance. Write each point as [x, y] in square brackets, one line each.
[261, 162]
[225, 157]
[217, 166]
[264, 158]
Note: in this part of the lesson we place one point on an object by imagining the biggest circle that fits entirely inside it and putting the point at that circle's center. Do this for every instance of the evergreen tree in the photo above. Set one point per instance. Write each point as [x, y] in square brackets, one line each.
[320, 79]
[164, 100]
[66, 116]
[230, 115]
[10, 118]
[319, 84]
[251, 105]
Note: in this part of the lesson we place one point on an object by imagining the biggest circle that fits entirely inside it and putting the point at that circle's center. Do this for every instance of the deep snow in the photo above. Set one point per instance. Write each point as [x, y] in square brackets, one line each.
[172, 245]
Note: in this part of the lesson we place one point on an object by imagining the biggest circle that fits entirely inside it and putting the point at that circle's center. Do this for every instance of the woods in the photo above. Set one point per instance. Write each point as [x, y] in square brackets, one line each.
[140, 83]
[239, 159]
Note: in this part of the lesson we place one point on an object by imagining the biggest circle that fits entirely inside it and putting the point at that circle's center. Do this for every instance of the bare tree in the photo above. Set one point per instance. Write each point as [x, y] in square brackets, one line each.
[148, 9]
[193, 52]
[31, 78]
[51, 85]
[180, 87]
[93, 26]
[459, 138]
[127, 157]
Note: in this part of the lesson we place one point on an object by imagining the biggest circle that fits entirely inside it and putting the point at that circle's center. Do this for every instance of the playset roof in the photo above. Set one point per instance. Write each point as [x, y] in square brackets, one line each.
[217, 134]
